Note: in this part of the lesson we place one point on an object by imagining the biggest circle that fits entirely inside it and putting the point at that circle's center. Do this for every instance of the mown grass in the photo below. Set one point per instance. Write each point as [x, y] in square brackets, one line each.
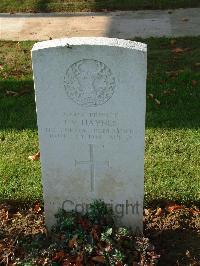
[172, 153]
[91, 5]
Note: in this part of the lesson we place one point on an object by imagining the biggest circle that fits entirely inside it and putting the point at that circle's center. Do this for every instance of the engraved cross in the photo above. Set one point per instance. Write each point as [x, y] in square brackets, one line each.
[92, 163]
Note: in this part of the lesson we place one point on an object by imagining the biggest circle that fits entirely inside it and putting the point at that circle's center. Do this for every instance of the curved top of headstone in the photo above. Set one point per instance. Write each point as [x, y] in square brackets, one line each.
[98, 41]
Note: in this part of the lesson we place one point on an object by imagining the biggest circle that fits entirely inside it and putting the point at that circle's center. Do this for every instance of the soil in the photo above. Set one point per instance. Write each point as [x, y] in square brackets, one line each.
[174, 230]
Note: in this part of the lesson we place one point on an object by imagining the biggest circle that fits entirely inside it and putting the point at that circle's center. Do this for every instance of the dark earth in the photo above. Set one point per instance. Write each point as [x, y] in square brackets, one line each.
[171, 237]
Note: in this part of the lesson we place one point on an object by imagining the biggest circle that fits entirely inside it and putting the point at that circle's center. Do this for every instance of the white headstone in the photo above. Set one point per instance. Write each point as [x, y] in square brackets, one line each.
[91, 97]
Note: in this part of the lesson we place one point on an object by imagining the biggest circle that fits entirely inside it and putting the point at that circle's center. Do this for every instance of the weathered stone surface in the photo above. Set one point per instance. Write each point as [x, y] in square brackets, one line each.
[90, 95]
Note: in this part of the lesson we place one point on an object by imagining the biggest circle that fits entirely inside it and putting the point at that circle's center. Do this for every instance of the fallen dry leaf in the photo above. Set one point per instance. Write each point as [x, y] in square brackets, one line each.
[159, 211]
[59, 256]
[84, 224]
[151, 96]
[146, 212]
[66, 262]
[73, 242]
[108, 248]
[37, 209]
[69, 260]
[12, 93]
[195, 211]
[187, 253]
[169, 91]
[178, 50]
[17, 215]
[174, 207]
[119, 263]
[34, 157]
[99, 259]
[157, 101]
[94, 234]
[194, 82]
[174, 73]
[18, 45]
[41, 261]
[79, 260]
[15, 93]
[3, 216]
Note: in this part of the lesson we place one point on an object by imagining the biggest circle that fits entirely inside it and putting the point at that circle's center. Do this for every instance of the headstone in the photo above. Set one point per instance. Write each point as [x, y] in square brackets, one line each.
[90, 97]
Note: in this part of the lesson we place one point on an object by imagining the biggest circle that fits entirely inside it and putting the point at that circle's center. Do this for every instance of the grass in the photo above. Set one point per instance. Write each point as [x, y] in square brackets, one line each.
[172, 123]
[91, 5]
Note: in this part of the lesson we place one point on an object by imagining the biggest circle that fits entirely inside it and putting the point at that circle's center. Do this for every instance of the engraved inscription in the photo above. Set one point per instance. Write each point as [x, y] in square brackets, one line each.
[91, 127]
[89, 82]
[92, 163]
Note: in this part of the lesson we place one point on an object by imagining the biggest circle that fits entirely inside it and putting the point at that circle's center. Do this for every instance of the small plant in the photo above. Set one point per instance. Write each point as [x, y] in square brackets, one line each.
[123, 232]
[105, 236]
[118, 256]
[77, 240]
[65, 221]
[99, 213]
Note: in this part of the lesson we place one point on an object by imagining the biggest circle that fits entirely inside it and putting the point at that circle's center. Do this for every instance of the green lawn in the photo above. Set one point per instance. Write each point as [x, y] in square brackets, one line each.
[172, 155]
[91, 5]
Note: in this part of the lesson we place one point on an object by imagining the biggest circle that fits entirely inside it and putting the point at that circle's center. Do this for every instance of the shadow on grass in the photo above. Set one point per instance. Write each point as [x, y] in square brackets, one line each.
[95, 5]
[99, 5]
[42, 6]
[179, 110]
[17, 112]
